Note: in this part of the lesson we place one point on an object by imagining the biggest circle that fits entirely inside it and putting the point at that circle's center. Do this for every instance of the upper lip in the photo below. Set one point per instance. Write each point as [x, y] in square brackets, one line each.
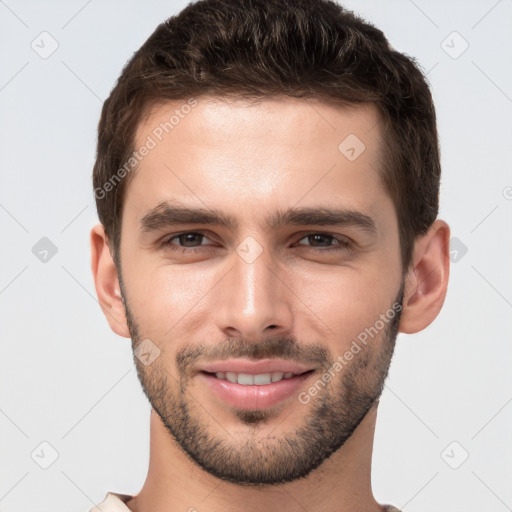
[255, 367]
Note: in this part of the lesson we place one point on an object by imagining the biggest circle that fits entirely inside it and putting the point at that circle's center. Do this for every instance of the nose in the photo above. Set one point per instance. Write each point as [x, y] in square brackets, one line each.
[254, 299]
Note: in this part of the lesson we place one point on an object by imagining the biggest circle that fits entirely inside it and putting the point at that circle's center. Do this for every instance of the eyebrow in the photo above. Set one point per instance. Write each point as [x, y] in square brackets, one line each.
[168, 214]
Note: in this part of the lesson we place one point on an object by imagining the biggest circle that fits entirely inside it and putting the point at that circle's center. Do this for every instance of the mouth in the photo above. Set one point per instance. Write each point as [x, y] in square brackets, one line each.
[246, 384]
[260, 379]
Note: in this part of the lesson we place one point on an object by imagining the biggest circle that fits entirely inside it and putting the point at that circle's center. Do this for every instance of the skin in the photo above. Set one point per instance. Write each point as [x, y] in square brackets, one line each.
[250, 160]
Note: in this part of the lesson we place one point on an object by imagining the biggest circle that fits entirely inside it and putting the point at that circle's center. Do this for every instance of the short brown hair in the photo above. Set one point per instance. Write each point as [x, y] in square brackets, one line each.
[265, 48]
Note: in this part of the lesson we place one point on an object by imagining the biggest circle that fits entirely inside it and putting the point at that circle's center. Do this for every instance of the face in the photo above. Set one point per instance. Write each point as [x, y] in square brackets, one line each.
[260, 264]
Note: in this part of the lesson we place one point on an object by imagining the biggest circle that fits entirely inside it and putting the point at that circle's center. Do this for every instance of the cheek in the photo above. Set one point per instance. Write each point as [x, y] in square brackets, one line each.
[164, 299]
[347, 301]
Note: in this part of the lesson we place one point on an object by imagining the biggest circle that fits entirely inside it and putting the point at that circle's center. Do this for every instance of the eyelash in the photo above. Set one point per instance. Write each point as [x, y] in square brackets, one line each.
[343, 243]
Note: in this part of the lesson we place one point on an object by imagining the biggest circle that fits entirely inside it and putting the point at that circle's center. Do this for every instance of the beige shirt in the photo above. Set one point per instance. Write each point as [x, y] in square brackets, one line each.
[115, 502]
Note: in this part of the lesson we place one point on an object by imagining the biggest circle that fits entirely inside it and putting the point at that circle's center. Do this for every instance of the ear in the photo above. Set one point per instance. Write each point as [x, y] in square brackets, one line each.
[106, 281]
[427, 279]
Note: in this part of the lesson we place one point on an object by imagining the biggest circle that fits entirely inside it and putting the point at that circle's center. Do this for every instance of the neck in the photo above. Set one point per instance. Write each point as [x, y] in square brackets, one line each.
[175, 483]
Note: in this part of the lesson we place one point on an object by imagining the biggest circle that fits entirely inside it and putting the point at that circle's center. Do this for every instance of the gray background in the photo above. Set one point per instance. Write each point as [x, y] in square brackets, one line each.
[67, 380]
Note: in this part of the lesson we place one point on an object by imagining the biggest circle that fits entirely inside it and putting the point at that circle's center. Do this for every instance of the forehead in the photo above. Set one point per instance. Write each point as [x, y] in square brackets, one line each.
[226, 120]
[229, 153]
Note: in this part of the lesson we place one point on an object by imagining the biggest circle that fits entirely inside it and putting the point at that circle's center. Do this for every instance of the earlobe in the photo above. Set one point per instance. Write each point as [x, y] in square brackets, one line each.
[106, 281]
[427, 279]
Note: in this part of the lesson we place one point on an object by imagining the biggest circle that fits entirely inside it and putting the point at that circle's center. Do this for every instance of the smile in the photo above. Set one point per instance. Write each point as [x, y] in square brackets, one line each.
[247, 379]
[254, 391]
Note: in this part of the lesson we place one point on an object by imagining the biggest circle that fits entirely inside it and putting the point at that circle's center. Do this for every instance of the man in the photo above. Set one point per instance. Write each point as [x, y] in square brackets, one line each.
[267, 181]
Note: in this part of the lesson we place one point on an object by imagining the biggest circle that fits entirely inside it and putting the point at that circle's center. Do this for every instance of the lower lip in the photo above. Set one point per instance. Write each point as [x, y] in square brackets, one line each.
[254, 397]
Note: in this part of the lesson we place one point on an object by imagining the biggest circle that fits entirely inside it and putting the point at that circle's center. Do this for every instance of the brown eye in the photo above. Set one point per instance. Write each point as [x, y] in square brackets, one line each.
[320, 240]
[188, 239]
[186, 242]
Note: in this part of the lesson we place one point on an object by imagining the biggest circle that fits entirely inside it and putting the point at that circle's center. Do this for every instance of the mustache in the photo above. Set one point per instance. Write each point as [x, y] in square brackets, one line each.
[268, 348]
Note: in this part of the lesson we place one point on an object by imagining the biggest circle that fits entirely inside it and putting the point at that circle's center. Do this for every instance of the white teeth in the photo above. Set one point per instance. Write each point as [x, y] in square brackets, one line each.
[247, 379]
[231, 377]
[261, 380]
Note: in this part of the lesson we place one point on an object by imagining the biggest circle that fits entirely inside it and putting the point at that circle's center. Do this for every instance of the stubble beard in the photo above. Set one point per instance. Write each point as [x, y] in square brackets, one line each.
[280, 456]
